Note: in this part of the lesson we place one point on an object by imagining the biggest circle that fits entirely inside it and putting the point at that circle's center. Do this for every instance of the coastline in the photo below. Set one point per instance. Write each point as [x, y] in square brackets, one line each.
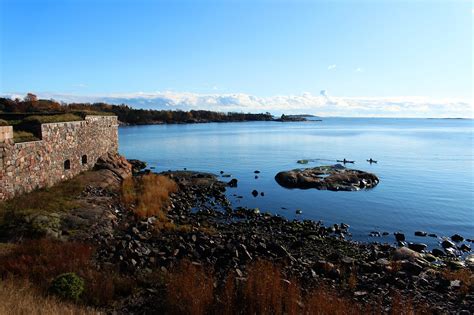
[208, 231]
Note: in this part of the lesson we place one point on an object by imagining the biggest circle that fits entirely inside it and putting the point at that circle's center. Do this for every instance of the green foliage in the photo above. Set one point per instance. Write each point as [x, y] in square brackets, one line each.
[4, 123]
[68, 286]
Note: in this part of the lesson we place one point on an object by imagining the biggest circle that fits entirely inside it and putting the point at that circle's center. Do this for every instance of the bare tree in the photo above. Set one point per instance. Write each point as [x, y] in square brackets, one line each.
[30, 97]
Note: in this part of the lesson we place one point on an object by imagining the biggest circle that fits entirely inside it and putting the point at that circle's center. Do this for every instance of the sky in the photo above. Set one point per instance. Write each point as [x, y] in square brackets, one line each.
[331, 58]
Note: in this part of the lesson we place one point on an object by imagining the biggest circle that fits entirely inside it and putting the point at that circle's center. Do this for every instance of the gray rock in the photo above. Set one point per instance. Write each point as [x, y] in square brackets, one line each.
[404, 253]
[335, 177]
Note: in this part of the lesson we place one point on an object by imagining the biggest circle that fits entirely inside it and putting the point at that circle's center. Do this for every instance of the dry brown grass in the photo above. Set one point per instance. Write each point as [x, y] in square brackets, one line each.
[226, 300]
[465, 276]
[190, 290]
[352, 280]
[325, 301]
[148, 195]
[264, 292]
[40, 261]
[22, 298]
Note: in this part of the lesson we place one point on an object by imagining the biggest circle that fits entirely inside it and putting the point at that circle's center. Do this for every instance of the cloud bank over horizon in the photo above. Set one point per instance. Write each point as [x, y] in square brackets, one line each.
[305, 103]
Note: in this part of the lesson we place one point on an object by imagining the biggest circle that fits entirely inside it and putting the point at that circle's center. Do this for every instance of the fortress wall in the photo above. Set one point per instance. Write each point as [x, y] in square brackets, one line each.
[66, 149]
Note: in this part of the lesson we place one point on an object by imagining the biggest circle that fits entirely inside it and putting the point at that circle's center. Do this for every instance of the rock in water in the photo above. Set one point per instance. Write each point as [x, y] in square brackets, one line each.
[457, 238]
[232, 183]
[400, 237]
[334, 177]
[447, 244]
[418, 247]
[420, 233]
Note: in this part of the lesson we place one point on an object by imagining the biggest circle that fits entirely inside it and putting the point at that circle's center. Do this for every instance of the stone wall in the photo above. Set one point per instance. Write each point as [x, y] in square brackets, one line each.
[65, 150]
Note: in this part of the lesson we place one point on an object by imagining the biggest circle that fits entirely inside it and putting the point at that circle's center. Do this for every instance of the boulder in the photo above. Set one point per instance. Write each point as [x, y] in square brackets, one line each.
[115, 163]
[137, 165]
[447, 244]
[232, 183]
[334, 177]
[404, 253]
[400, 237]
[457, 238]
[418, 247]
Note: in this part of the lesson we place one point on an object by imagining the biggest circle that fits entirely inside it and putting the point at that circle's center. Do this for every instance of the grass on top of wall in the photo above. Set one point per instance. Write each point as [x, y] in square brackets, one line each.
[23, 136]
[52, 118]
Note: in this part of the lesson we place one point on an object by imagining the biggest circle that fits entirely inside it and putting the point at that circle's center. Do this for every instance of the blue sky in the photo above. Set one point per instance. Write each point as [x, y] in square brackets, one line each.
[243, 54]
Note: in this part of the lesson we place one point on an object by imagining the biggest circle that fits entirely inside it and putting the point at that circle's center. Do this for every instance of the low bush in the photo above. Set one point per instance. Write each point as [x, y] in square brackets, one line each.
[68, 286]
[4, 123]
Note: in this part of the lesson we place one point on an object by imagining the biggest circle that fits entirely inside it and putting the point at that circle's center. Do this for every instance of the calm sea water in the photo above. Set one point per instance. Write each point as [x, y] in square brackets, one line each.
[425, 168]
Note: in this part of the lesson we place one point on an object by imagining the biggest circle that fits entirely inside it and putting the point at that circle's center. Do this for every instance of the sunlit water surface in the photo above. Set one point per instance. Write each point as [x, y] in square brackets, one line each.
[425, 168]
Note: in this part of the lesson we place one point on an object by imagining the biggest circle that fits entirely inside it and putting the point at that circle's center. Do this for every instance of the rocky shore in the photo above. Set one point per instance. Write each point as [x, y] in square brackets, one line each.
[213, 233]
[209, 232]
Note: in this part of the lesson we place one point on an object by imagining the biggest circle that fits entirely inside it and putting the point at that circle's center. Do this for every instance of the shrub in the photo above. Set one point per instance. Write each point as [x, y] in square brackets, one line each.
[4, 123]
[68, 286]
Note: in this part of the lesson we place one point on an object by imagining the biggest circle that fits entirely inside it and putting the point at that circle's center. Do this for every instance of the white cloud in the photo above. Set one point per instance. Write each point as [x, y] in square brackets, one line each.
[359, 69]
[331, 67]
[322, 104]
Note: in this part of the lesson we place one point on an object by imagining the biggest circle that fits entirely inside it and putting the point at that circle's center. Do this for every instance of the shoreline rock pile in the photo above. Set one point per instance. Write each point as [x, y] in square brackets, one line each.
[333, 177]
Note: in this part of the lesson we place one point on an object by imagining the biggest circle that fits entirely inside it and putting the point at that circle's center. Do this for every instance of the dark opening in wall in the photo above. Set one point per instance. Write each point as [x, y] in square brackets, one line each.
[84, 159]
[67, 165]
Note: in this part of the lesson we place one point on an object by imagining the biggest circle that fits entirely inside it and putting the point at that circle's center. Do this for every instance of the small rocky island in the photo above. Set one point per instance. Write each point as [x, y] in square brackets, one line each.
[332, 177]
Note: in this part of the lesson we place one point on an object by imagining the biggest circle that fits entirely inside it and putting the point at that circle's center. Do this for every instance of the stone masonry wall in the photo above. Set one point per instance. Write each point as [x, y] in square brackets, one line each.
[66, 149]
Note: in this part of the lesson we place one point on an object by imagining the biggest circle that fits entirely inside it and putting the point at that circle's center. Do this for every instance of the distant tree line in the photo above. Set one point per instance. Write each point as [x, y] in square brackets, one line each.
[126, 114]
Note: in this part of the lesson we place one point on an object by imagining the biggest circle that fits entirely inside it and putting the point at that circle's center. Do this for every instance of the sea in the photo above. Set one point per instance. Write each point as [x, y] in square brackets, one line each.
[425, 166]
